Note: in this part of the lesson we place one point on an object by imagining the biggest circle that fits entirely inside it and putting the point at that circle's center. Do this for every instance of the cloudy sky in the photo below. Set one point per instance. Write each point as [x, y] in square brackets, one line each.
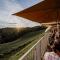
[8, 7]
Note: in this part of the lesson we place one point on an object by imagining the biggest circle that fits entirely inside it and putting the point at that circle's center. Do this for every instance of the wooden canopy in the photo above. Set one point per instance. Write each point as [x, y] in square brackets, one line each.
[43, 12]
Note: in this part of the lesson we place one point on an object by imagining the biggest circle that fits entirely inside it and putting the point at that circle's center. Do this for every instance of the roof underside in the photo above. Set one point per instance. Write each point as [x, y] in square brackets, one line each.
[43, 12]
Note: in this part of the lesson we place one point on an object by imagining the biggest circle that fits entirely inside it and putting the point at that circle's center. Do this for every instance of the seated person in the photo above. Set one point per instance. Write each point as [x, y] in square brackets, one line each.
[55, 54]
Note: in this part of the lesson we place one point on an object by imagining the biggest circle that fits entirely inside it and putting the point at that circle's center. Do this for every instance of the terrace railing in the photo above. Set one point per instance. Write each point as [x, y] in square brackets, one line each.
[37, 51]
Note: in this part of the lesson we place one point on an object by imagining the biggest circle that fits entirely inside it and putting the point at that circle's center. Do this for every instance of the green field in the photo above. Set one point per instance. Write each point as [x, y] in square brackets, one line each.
[15, 49]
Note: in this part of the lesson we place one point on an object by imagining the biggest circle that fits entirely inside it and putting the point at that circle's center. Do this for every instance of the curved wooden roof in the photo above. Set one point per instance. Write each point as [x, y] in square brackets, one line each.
[43, 12]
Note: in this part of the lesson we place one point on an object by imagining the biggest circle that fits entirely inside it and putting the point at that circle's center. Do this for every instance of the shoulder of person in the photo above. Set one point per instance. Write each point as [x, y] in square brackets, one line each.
[48, 55]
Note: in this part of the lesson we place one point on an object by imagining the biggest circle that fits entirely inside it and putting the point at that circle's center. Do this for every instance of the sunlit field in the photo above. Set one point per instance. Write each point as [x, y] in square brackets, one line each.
[13, 43]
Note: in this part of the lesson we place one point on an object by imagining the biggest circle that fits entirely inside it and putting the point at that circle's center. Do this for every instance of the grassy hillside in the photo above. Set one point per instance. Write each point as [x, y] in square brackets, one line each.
[12, 34]
[14, 49]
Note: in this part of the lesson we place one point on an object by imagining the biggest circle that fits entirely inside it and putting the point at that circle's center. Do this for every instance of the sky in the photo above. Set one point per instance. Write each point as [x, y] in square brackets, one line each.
[9, 7]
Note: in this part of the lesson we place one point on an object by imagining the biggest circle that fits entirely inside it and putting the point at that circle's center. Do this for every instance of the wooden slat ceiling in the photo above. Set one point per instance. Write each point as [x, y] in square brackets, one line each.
[43, 12]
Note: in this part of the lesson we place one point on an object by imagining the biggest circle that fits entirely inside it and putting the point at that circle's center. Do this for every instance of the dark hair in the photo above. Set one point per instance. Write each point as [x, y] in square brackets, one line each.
[57, 46]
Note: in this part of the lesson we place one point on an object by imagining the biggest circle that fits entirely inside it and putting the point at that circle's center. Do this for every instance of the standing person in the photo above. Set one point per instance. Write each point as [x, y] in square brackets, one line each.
[51, 40]
[55, 54]
[51, 37]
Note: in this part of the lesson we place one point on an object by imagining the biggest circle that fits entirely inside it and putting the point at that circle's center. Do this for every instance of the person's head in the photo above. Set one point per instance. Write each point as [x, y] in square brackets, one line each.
[57, 47]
